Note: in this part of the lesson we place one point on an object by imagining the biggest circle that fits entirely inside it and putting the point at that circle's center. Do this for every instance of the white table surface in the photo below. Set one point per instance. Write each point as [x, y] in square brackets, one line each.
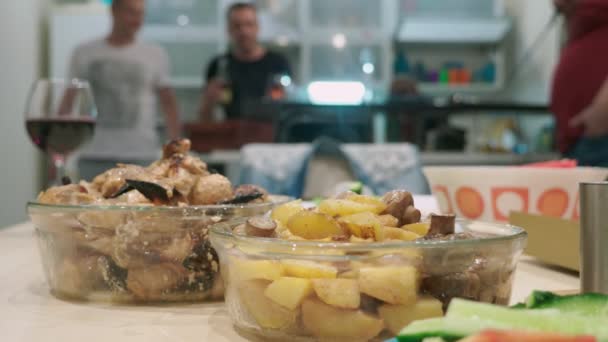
[29, 313]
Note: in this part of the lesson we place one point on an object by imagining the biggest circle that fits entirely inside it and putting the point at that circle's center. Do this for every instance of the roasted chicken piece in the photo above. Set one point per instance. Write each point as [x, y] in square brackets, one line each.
[111, 181]
[175, 154]
[79, 273]
[211, 189]
[132, 197]
[181, 178]
[144, 241]
[179, 146]
[151, 281]
[72, 194]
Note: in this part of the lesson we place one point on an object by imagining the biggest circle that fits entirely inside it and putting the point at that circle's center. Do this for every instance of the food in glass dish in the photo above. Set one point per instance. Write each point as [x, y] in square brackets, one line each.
[140, 234]
[358, 267]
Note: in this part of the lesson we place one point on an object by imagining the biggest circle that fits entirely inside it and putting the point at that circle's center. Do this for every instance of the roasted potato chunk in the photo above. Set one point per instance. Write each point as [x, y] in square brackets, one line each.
[314, 226]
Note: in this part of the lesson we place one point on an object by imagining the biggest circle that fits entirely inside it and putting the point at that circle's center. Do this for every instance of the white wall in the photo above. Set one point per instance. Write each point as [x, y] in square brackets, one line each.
[534, 80]
[20, 56]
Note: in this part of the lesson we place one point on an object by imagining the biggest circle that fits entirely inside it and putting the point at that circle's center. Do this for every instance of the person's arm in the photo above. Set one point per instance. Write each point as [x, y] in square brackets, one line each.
[565, 6]
[595, 117]
[74, 71]
[210, 97]
[166, 97]
[168, 104]
[67, 101]
[210, 94]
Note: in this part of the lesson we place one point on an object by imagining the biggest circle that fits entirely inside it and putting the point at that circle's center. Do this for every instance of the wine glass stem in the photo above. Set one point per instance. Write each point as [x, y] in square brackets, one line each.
[58, 167]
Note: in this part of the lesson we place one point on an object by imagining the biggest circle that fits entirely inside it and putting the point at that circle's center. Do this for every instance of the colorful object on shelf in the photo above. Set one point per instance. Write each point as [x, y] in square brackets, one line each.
[432, 76]
[488, 73]
[401, 66]
[444, 76]
[453, 76]
[465, 76]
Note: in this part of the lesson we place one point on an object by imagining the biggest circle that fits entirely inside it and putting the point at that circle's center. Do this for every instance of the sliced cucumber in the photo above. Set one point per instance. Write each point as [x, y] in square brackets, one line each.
[589, 304]
[446, 329]
[543, 312]
[545, 320]
[357, 187]
[518, 306]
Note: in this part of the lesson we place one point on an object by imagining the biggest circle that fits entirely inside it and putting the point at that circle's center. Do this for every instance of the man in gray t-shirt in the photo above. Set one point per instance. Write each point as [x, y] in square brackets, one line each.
[127, 77]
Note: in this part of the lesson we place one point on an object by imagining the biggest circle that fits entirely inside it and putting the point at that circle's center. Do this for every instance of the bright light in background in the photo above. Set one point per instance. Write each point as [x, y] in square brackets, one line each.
[282, 41]
[183, 20]
[285, 81]
[338, 41]
[336, 92]
[368, 68]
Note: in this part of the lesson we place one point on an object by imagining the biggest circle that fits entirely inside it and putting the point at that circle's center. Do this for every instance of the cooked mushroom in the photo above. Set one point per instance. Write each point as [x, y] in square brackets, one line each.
[261, 226]
[447, 286]
[442, 225]
[411, 215]
[397, 202]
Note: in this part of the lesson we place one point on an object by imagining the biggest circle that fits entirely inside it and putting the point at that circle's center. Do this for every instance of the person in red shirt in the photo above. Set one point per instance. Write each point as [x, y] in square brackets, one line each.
[579, 98]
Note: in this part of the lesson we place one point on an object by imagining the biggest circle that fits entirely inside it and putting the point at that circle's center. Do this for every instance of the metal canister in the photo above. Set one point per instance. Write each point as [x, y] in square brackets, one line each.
[594, 237]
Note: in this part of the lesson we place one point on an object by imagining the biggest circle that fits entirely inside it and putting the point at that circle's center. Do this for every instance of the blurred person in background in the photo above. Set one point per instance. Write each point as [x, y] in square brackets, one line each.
[128, 78]
[579, 97]
[244, 72]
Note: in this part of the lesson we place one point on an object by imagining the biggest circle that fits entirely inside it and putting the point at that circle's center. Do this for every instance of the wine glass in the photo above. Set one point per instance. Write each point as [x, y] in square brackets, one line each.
[60, 117]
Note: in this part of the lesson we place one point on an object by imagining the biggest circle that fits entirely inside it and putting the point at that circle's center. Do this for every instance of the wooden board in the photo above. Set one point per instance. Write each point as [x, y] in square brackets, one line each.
[551, 240]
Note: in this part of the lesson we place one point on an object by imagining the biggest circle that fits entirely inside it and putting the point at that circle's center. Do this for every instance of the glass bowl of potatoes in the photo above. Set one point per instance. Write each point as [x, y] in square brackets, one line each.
[358, 267]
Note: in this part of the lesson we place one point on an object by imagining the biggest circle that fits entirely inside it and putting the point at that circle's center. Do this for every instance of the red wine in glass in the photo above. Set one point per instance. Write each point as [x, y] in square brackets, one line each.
[60, 118]
[60, 135]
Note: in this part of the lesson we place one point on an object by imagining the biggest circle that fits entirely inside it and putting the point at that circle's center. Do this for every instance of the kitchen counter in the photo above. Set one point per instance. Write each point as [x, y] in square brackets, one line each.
[29, 313]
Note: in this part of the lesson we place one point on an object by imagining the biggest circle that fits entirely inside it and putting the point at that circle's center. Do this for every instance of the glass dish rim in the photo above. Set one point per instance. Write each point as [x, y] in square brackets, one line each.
[280, 199]
[518, 234]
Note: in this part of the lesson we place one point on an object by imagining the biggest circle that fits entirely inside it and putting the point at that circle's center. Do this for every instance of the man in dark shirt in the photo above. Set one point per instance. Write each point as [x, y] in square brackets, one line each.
[245, 71]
